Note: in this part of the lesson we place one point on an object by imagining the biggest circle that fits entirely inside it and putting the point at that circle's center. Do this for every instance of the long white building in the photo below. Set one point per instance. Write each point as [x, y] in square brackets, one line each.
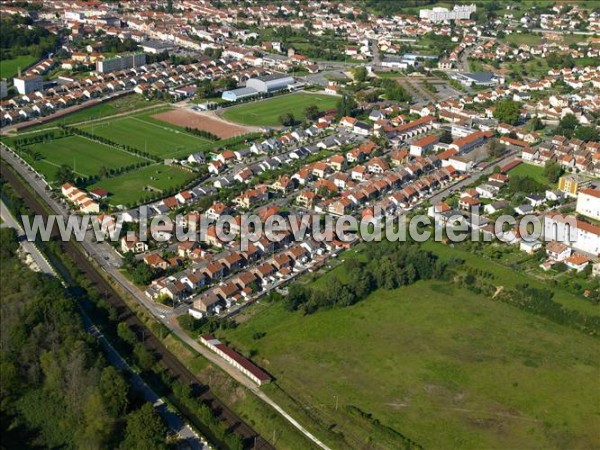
[438, 14]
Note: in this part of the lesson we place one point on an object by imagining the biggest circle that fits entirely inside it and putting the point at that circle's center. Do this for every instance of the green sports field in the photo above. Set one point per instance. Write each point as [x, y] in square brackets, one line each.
[267, 112]
[147, 134]
[129, 187]
[85, 157]
[441, 365]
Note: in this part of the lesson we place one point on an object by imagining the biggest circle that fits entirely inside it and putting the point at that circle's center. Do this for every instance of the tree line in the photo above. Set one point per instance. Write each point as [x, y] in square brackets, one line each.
[539, 301]
[386, 266]
[103, 140]
[202, 133]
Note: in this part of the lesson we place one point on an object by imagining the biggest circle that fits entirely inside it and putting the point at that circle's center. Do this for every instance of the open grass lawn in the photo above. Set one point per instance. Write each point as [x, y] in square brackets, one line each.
[85, 157]
[129, 187]
[107, 109]
[441, 365]
[529, 170]
[505, 276]
[267, 112]
[156, 137]
[10, 67]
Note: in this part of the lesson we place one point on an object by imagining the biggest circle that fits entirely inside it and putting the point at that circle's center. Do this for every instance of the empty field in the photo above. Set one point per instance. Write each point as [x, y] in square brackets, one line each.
[529, 170]
[85, 157]
[132, 187]
[10, 67]
[436, 363]
[267, 112]
[202, 121]
[147, 134]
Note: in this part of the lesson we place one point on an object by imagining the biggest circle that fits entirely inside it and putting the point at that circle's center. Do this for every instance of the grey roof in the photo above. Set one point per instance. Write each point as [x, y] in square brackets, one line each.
[480, 77]
[273, 76]
[242, 91]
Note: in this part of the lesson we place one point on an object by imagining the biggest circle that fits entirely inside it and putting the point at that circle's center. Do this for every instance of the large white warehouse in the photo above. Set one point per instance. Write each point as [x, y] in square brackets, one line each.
[270, 83]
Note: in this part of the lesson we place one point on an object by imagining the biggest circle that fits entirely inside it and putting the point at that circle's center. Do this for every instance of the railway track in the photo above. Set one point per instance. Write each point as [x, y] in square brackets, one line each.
[251, 439]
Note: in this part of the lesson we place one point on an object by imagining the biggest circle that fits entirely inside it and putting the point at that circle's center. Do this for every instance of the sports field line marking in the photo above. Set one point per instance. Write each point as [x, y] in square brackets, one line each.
[172, 130]
[116, 148]
[58, 165]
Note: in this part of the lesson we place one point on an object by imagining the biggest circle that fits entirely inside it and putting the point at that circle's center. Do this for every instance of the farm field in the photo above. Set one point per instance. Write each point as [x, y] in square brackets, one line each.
[148, 134]
[129, 187]
[85, 157]
[267, 112]
[107, 109]
[10, 67]
[443, 366]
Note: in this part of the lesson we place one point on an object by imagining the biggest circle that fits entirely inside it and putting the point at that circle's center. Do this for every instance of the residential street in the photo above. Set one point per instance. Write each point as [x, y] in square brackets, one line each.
[160, 313]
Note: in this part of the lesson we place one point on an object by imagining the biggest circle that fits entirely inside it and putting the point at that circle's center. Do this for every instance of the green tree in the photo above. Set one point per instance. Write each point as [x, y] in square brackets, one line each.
[536, 124]
[553, 171]
[495, 148]
[507, 111]
[360, 74]
[145, 430]
[446, 137]
[114, 391]
[64, 174]
[312, 112]
[587, 133]
[346, 106]
[287, 119]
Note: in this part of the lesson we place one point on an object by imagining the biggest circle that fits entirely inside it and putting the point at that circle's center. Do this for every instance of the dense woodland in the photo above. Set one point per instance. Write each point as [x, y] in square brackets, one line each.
[19, 37]
[57, 390]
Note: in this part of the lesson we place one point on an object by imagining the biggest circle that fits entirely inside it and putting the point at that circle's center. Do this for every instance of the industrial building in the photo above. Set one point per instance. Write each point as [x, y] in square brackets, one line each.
[478, 79]
[270, 83]
[121, 62]
[28, 83]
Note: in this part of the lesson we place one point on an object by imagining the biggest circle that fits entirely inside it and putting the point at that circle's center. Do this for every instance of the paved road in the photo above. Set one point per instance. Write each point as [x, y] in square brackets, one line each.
[174, 422]
[63, 112]
[40, 186]
[441, 195]
[29, 247]
[240, 378]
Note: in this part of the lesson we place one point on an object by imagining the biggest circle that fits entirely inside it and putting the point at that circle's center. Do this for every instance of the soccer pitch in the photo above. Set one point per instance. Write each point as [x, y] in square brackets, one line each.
[267, 112]
[147, 134]
[129, 188]
[84, 156]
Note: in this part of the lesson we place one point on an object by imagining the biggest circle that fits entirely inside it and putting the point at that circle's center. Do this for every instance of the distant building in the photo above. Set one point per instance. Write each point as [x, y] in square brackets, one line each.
[398, 62]
[571, 184]
[155, 47]
[238, 94]
[121, 62]
[588, 203]
[270, 83]
[3, 89]
[478, 79]
[438, 14]
[244, 365]
[27, 84]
